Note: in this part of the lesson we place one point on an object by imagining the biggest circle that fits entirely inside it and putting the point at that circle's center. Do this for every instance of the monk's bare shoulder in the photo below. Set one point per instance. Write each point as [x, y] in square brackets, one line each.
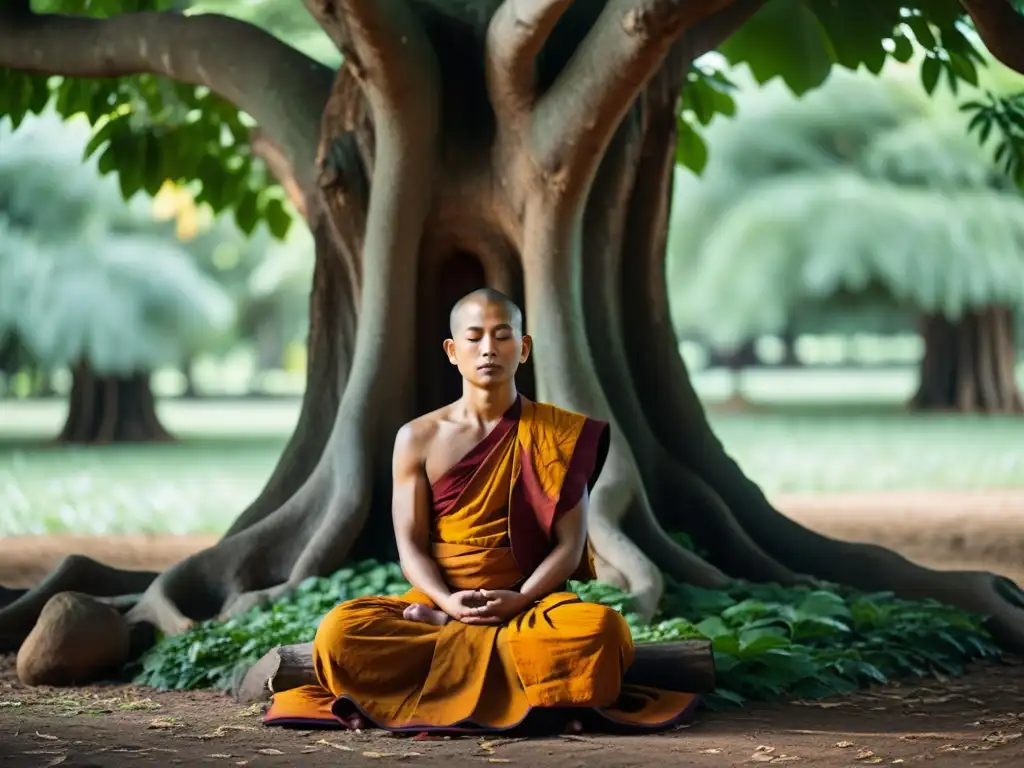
[415, 438]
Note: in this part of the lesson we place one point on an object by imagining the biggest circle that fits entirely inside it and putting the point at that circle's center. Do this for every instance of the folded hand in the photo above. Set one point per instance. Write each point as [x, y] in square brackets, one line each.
[499, 605]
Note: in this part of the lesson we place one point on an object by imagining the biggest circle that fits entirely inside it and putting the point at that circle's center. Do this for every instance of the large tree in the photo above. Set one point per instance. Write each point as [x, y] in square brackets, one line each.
[862, 206]
[90, 283]
[526, 144]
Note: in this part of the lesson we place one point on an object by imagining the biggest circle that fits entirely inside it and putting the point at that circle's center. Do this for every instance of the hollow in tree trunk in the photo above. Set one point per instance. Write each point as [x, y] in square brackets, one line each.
[969, 364]
[111, 409]
[529, 146]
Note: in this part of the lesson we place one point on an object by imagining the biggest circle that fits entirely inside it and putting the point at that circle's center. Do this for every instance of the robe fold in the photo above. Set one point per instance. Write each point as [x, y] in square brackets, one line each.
[492, 524]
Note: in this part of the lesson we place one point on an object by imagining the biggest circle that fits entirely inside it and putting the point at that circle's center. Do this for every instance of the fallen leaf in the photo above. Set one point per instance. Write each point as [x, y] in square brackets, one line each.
[487, 746]
[898, 760]
[47, 736]
[341, 747]
[242, 762]
[220, 756]
[844, 744]
[222, 730]
[9, 704]
[309, 750]
[136, 704]
[713, 751]
[763, 754]
[1002, 738]
[378, 754]
[786, 759]
[270, 751]
[43, 752]
[164, 723]
[823, 704]
[253, 711]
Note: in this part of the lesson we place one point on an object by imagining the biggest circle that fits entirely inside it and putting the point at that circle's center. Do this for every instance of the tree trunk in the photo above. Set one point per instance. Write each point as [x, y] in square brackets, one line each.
[111, 409]
[969, 364]
[528, 147]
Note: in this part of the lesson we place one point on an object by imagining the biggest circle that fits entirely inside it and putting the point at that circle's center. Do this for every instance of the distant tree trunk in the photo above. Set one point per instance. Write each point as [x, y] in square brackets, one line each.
[111, 409]
[736, 361]
[190, 392]
[969, 365]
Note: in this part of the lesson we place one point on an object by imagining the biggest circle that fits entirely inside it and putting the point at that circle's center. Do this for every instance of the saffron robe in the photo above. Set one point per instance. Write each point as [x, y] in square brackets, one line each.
[492, 525]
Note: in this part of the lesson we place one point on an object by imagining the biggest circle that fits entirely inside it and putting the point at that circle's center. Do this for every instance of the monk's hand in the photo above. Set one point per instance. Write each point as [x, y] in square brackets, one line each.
[500, 606]
[464, 604]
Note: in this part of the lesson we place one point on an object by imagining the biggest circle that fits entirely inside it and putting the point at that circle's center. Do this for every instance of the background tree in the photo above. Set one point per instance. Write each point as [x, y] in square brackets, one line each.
[863, 206]
[268, 280]
[81, 288]
[466, 143]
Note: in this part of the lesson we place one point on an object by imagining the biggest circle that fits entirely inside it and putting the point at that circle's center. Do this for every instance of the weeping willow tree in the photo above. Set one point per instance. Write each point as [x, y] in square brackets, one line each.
[81, 287]
[862, 206]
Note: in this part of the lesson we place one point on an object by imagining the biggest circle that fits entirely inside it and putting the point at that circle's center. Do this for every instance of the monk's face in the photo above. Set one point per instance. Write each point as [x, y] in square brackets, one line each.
[486, 346]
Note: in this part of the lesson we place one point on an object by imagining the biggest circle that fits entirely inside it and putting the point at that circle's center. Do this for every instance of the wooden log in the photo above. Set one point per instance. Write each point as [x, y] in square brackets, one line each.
[684, 665]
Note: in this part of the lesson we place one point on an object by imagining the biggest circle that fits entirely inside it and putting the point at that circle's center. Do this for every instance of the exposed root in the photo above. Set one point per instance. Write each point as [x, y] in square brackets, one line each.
[638, 574]
[75, 573]
[698, 510]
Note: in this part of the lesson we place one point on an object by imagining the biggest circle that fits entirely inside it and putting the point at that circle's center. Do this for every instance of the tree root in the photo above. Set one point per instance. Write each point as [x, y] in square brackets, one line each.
[75, 573]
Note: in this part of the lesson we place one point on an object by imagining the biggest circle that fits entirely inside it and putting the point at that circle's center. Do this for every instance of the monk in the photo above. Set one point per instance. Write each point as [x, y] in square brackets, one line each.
[490, 515]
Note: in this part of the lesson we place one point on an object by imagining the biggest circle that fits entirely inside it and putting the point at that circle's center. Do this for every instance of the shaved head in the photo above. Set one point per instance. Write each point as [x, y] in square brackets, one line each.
[484, 296]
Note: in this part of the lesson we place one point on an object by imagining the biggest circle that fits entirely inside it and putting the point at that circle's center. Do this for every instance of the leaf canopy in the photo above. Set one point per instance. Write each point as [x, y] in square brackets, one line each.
[150, 130]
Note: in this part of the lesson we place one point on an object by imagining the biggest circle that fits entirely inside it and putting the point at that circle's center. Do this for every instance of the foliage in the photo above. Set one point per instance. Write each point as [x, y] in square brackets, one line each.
[770, 642]
[154, 131]
[858, 205]
[151, 130]
[81, 278]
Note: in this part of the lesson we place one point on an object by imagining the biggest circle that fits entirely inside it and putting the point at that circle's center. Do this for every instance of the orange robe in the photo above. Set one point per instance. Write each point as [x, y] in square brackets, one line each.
[493, 517]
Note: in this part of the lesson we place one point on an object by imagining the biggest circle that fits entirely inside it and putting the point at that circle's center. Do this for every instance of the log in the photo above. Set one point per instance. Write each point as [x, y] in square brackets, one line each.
[684, 665]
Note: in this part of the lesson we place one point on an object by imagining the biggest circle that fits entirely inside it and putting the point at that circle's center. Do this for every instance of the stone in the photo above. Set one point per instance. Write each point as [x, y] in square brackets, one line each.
[76, 640]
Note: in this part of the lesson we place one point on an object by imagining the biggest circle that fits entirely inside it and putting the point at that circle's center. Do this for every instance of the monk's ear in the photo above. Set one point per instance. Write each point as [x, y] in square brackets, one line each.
[527, 348]
[449, 349]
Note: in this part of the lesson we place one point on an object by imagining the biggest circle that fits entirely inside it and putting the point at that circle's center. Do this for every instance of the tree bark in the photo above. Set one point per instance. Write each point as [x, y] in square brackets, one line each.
[111, 409]
[969, 364]
[529, 145]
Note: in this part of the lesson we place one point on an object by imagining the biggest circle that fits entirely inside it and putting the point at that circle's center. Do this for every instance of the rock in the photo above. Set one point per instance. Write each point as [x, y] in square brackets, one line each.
[76, 640]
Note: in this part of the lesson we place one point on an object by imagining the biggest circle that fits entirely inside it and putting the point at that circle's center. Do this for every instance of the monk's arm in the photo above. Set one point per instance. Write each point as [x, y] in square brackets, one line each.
[570, 541]
[410, 510]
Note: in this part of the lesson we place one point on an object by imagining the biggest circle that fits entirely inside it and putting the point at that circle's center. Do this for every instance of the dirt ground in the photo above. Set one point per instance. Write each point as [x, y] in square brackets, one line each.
[977, 720]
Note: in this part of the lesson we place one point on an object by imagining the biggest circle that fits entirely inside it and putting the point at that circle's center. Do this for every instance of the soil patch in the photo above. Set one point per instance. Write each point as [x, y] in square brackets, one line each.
[976, 720]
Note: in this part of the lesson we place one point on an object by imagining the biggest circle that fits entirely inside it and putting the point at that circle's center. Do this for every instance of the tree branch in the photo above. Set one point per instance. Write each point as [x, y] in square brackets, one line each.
[281, 88]
[714, 30]
[1001, 28]
[379, 42]
[270, 153]
[576, 118]
[515, 36]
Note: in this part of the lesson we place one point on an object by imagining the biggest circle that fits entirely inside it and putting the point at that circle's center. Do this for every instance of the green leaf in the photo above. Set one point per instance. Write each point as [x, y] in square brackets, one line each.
[691, 151]
[783, 39]
[930, 71]
[278, 219]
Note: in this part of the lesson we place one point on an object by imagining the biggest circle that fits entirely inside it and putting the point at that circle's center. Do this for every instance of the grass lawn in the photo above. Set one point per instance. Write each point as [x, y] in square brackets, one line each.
[812, 432]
